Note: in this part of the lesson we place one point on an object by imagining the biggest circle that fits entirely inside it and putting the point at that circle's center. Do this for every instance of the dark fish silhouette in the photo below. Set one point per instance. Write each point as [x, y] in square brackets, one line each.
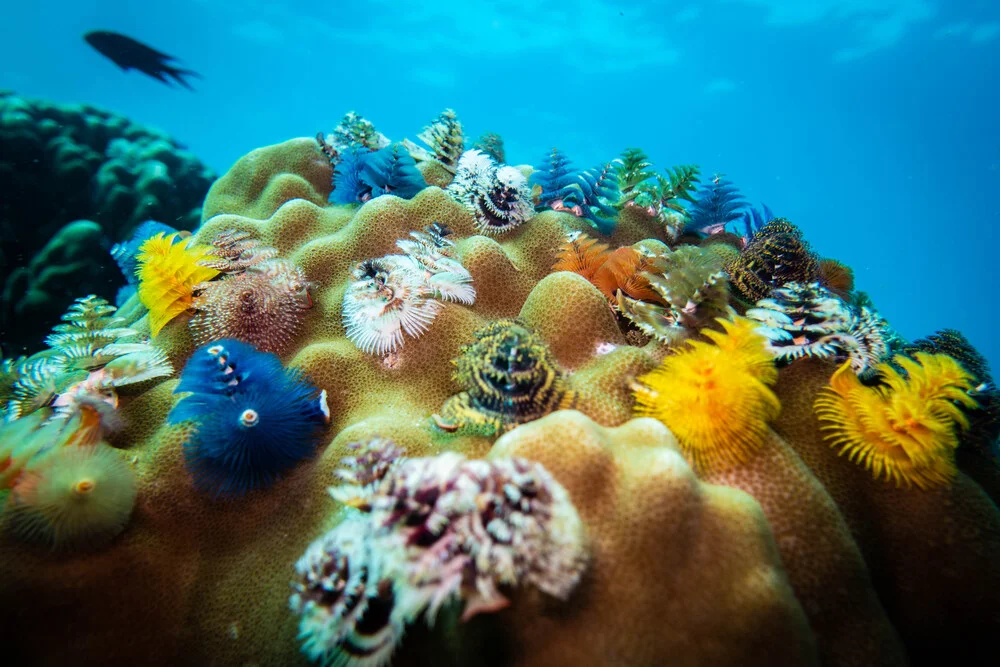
[128, 54]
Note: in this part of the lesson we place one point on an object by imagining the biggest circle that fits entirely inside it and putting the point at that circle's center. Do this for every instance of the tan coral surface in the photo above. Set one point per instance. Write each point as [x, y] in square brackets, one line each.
[685, 571]
[207, 582]
[934, 556]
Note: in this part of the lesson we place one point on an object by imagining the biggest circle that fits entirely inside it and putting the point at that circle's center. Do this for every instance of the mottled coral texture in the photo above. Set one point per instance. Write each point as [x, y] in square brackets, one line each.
[683, 573]
[795, 557]
[76, 179]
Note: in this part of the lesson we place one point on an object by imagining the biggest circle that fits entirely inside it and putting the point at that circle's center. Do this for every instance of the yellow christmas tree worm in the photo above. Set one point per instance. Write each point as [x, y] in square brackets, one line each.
[714, 398]
[903, 430]
[168, 273]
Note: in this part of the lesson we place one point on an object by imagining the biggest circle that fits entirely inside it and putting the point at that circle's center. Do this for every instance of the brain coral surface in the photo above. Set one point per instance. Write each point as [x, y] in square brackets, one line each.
[796, 556]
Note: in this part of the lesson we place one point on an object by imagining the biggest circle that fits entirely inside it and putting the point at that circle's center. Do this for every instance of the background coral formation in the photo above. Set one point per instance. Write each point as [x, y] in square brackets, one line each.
[60, 163]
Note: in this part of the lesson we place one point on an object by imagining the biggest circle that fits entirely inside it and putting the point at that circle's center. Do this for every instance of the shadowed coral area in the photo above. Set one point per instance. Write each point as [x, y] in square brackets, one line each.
[792, 555]
[817, 548]
[932, 554]
[684, 572]
[72, 262]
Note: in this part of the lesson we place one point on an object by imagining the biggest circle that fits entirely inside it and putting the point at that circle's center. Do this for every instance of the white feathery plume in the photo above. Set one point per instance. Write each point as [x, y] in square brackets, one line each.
[389, 301]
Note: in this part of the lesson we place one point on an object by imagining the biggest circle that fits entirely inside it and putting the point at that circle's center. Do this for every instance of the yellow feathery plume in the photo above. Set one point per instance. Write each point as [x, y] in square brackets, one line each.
[168, 273]
[937, 379]
[903, 431]
[743, 340]
[713, 398]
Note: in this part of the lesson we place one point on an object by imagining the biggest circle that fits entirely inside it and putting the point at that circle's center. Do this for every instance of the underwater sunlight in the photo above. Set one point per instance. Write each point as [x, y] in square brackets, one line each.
[355, 335]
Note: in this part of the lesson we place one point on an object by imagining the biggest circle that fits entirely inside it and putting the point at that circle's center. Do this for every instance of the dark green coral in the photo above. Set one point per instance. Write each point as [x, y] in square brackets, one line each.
[61, 163]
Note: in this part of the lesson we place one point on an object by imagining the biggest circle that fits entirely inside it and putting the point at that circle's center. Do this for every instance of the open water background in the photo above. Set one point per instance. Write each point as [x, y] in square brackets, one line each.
[872, 124]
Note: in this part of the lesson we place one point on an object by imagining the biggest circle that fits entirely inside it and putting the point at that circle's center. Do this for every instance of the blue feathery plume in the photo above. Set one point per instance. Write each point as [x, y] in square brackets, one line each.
[222, 368]
[718, 203]
[254, 420]
[392, 171]
[754, 220]
[602, 189]
[590, 192]
[125, 253]
[558, 179]
[362, 174]
[348, 188]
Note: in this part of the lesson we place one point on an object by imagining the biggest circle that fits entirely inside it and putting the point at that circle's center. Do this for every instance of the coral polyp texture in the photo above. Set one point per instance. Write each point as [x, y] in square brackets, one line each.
[556, 445]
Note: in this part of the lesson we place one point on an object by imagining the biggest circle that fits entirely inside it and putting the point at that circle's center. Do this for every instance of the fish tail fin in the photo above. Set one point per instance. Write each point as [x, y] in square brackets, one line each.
[179, 74]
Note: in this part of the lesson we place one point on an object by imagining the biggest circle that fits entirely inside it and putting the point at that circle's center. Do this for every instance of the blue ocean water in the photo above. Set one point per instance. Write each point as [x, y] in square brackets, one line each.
[868, 123]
